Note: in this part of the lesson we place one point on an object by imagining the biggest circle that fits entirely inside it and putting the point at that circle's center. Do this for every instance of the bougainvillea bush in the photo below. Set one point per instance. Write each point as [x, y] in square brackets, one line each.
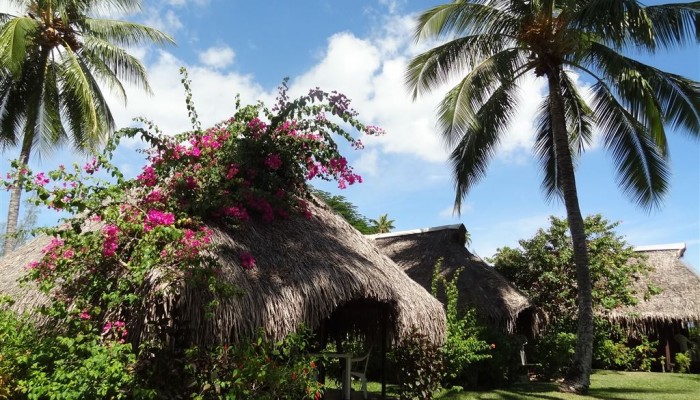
[123, 235]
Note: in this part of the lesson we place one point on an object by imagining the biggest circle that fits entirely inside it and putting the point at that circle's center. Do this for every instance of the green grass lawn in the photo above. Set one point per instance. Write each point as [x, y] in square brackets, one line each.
[611, 385]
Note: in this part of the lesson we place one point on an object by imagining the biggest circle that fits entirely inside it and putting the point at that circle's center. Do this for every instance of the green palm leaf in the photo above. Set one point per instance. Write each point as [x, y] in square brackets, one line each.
[643, 172]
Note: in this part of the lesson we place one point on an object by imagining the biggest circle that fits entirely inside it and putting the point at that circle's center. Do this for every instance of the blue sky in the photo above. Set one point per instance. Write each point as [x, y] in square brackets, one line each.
[361, 48]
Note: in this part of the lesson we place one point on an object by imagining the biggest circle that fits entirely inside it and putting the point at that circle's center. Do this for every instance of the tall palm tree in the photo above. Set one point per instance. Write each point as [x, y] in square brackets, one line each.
[55, 59]
[383, 224]
[495, 44]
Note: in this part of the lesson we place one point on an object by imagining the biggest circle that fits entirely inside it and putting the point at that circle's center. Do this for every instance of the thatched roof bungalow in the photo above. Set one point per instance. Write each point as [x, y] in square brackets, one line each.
[308, 271]
[495, 299]
[678, 302]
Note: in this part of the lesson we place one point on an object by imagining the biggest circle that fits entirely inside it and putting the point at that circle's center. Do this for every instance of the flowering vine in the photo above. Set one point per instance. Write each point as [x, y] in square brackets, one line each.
[123, 232]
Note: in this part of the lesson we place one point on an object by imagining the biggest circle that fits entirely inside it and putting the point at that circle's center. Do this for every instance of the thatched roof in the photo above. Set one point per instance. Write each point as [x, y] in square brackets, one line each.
[305, 270]
[679, 300]
[495, 299]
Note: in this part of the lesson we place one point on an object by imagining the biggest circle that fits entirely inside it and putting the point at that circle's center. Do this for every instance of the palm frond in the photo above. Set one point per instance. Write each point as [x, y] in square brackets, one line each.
[657, 97]
[617, 22]
[79, 100]
[675, 24]
[466, 18]
[124, 33]
[440, 64]
[642, 166]
[478, 144]
[49, 127]
[458, 109]
[115, 65]
[14, 43]
[579, 117]
[544, 151]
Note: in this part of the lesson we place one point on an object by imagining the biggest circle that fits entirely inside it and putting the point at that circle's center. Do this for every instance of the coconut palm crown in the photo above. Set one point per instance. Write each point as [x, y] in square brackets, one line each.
[494, 44]
[55, 60]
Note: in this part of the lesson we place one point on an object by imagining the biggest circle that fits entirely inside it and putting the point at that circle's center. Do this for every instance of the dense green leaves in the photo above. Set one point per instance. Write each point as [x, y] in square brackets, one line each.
[543, 268]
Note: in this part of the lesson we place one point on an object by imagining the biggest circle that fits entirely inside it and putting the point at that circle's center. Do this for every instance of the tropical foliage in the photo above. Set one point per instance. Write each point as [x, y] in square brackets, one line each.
[55, 61]
[543, 268]
[464, 345]
[126, 234]
[347, 210]
[382, 224]
[494, 45]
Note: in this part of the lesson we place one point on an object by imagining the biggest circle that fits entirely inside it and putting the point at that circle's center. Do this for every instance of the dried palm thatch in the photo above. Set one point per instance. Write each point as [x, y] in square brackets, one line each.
[679, 300]
[305, 270]
[496, 301]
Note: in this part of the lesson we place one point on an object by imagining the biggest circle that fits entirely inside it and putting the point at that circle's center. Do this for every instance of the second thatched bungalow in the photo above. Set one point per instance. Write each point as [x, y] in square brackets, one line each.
[668, 314]
[497, 301]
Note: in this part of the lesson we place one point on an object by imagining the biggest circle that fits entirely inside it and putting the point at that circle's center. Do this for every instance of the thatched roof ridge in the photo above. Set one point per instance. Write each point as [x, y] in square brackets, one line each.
[679, 300]
[305, 269]
[481, 286]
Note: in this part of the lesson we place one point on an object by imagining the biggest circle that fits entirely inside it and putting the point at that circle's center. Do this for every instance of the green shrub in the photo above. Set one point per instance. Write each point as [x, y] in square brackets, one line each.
[463, 344]
[258, 370]
[76, 363]
[682, 362]
[418, 366]
[17, 338]
[612, 349]
[554, 352]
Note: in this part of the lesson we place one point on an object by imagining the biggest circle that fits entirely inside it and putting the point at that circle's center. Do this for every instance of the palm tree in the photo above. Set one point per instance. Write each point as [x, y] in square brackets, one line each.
[54, 61]
[495, 44]
[383, 224]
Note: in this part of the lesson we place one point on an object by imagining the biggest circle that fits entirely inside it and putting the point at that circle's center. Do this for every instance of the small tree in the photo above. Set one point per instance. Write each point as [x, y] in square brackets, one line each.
[544, 269]
[345, 209]
[383, 224]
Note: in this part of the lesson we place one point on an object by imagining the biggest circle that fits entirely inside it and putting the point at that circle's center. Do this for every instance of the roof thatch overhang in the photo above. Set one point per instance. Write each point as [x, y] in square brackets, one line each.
[305, 270]
[678, 303]
[480, 286]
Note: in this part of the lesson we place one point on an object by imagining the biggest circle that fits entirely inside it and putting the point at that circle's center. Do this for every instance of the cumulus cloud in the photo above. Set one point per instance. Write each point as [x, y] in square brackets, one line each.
[217, 57]
[167, 21]
[214, 94]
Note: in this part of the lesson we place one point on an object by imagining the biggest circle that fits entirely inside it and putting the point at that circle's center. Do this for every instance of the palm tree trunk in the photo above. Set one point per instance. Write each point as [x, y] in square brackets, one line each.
[578, 376]
[10, 240]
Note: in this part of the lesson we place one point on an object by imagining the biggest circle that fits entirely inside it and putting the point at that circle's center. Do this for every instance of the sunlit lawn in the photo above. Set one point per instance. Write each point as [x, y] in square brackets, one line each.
[609, 385]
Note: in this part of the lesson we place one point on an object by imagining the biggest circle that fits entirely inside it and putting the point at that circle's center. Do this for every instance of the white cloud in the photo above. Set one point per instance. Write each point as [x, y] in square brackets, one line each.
[217, 57]
[367, 163]
[213, 94]
[167, 22]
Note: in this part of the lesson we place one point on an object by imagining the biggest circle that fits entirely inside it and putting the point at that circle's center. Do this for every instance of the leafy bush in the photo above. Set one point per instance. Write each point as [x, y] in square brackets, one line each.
[418, 366]
[463, 346]
[543, 268]
[17, 340]
[612, 349]
[554, 352]
[76, 363]
[682, 362]
[258, 370]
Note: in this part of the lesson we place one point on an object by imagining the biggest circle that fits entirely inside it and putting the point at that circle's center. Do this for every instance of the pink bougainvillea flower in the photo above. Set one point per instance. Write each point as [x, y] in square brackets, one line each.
[84, 315]
[247, 260]
[273, 161]
[41, 179]
[111, 243]
[148, 176]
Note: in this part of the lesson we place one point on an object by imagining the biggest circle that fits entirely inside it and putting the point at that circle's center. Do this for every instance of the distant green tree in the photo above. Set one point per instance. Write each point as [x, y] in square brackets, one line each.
[544, 269]
[347, 210]
[383, 224]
